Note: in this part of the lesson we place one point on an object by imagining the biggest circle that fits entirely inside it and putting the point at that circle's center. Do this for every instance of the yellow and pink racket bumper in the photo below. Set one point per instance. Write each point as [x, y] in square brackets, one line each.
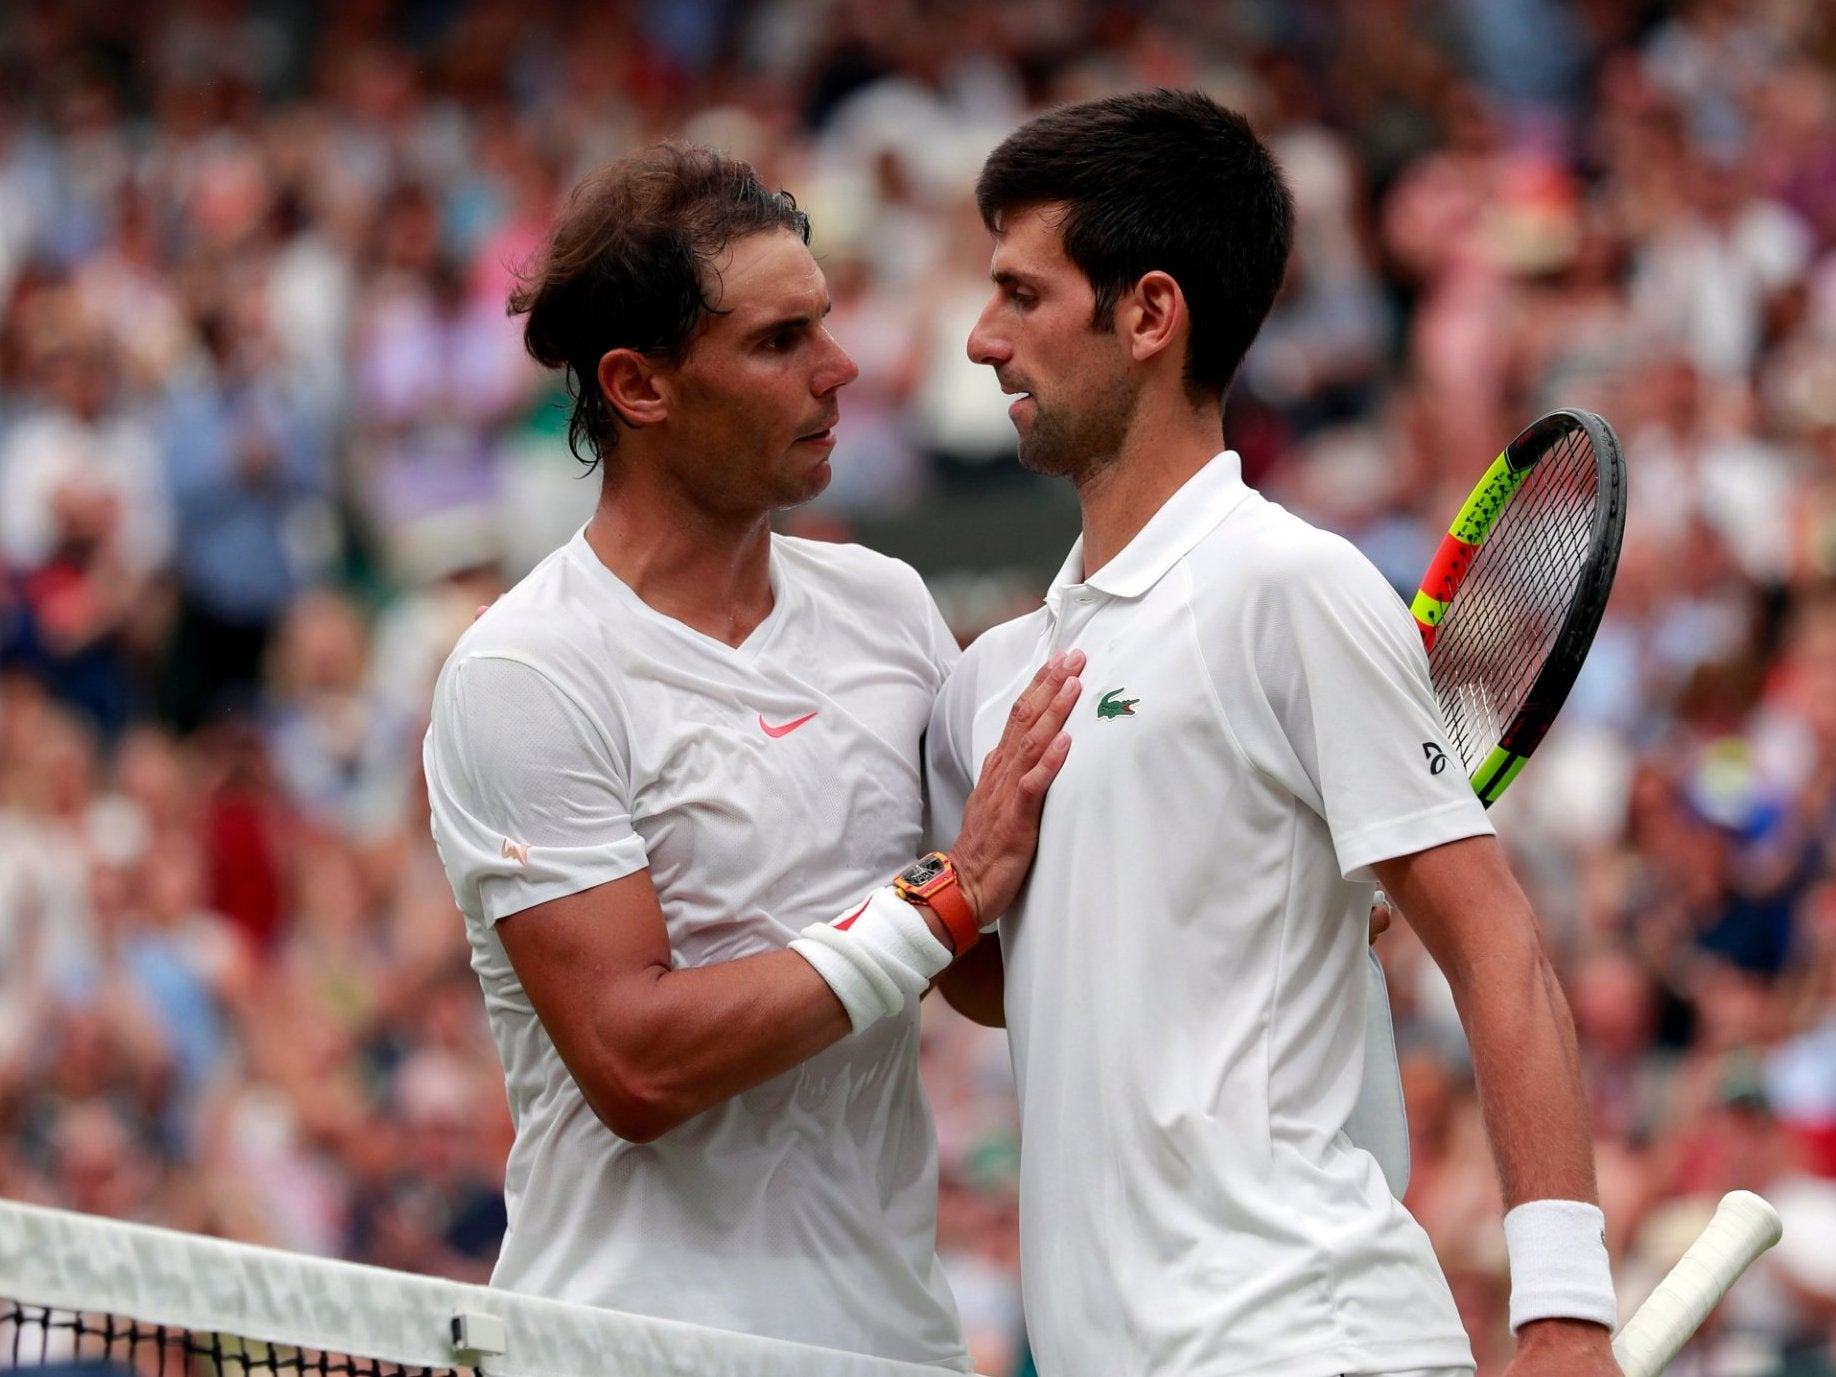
[1448, 570]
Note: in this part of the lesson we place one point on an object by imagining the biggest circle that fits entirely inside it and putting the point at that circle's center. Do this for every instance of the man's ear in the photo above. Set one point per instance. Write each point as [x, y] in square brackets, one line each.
[629, 381]
[1153, 316]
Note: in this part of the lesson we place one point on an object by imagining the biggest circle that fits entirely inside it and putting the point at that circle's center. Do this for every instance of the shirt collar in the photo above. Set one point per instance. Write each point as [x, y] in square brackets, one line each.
[1183, 520]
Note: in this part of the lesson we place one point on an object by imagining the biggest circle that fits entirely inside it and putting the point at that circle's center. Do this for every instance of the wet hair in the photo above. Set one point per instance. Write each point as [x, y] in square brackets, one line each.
[630, 265]
[1157, 180]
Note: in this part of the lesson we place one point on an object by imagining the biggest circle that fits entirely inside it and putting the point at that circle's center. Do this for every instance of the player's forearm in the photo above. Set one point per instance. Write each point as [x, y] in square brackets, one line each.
[670, 1044]
[1470, 913]
[1475, 921]
[688, 1039]
[1529, 1080]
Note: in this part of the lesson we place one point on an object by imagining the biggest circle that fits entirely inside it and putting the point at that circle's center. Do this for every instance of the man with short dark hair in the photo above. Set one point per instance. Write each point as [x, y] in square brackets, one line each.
[1183, 978]
[673, 774]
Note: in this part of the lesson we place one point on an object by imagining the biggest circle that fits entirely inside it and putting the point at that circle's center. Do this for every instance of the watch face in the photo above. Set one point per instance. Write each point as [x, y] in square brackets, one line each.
[923, 872]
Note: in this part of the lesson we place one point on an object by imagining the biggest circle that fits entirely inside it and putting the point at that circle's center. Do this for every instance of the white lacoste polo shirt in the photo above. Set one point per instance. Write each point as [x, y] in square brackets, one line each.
[578, 735]
[1186, 993]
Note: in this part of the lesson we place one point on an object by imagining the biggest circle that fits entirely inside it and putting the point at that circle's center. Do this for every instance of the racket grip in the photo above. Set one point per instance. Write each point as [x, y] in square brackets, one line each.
[1744, 1226]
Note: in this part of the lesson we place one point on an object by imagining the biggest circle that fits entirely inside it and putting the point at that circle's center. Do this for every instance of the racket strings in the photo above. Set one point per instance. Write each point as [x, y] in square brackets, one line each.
[1503, 626]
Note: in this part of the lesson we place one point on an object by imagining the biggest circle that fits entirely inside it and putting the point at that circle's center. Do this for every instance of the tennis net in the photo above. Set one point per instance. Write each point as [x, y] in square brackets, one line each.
[87, 1297]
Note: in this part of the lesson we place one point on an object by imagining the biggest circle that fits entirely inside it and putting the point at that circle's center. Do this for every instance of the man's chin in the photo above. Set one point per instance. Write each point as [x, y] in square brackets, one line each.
[1050, 461]
[807, 487]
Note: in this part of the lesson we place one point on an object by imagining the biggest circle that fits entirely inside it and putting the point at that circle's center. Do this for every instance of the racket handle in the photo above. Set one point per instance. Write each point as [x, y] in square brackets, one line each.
[1744, 1226]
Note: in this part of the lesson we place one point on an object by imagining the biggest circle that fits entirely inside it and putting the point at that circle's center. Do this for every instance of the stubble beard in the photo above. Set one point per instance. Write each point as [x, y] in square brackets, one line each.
[806, 487]
[1062, 443]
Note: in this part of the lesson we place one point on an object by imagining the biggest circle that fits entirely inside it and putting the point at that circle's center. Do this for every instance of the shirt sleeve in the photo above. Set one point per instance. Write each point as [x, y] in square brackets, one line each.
[1340, 709]
[530, 798]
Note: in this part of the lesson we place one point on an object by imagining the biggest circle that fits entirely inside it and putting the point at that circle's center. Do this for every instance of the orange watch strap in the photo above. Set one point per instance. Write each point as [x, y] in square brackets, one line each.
[949, 903]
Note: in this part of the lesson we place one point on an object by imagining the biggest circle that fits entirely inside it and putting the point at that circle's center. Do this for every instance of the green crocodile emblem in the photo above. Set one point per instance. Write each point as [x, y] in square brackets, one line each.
[1112, 706]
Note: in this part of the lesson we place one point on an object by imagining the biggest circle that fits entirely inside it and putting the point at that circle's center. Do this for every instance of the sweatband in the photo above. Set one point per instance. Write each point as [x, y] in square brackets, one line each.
[875, 957]
[1559, 1267]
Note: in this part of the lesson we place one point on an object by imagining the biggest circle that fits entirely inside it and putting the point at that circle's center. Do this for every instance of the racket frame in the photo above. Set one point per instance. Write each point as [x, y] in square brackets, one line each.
[1459, 551]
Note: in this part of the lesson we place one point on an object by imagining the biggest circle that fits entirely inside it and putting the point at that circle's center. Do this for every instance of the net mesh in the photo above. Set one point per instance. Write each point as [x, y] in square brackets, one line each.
[102, 1298]
[70, 1342]
[1502, 627]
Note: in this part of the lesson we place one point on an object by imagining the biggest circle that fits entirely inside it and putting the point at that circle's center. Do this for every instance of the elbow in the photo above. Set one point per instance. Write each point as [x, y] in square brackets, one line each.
[635, 1123]
[635, 1106]
[634, 1119]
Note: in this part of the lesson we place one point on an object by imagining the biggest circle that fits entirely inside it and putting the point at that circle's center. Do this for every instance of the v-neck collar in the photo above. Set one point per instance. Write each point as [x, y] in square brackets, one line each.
[581, 551]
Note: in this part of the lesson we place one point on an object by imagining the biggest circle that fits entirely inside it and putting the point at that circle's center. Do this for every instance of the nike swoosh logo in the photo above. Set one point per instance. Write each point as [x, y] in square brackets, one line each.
[786, 729]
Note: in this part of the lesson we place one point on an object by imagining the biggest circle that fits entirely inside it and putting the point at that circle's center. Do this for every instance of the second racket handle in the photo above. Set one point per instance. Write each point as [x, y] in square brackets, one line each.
[1744, 1226]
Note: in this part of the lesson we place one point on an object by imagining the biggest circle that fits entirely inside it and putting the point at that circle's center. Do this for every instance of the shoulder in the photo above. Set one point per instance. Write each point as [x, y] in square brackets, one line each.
[854, 582]
[1266, 557]
[1264, 541]
[539, 621]
[536, 669]
[854, 568]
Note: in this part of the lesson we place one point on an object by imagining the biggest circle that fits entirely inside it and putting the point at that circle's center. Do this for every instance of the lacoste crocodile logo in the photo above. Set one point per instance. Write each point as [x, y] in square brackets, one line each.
[1112, 706]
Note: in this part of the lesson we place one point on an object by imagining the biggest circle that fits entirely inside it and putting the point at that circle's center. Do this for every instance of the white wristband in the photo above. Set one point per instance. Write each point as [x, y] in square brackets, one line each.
[1559, 1267]
[876, 957]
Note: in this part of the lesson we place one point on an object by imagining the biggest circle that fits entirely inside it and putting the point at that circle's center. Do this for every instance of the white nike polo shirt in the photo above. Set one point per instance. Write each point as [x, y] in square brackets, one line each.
[1186, 992]
[578, 735]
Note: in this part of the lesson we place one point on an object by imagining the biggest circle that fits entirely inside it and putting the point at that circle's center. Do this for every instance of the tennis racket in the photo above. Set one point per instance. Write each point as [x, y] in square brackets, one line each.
[1513, 596]
[1744, 1226]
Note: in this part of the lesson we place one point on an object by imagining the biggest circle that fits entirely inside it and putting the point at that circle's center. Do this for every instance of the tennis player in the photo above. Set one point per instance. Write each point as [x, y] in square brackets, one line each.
[674, 773]
[1257, 743]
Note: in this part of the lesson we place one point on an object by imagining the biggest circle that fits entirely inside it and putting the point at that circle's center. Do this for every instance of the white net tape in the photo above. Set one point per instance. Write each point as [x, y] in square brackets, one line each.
[78, 1263]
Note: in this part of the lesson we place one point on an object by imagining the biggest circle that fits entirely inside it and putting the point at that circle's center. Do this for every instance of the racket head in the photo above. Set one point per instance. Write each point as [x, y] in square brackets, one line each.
[1514, 595]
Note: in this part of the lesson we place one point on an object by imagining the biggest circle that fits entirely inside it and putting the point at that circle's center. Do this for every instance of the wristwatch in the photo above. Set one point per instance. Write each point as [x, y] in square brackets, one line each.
[931, 880]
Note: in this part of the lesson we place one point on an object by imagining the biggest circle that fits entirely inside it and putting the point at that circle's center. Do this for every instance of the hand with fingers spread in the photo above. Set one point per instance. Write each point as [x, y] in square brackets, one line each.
[994, 850]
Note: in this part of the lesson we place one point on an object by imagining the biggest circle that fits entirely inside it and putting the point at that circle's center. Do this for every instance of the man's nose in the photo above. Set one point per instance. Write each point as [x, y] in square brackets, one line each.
[986, 344]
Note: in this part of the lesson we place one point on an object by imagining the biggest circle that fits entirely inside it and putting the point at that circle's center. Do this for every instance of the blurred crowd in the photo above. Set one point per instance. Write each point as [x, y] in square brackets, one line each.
[267, 440]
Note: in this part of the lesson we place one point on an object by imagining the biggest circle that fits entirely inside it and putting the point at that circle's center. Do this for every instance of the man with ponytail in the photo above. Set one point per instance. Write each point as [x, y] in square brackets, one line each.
[675, 782]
